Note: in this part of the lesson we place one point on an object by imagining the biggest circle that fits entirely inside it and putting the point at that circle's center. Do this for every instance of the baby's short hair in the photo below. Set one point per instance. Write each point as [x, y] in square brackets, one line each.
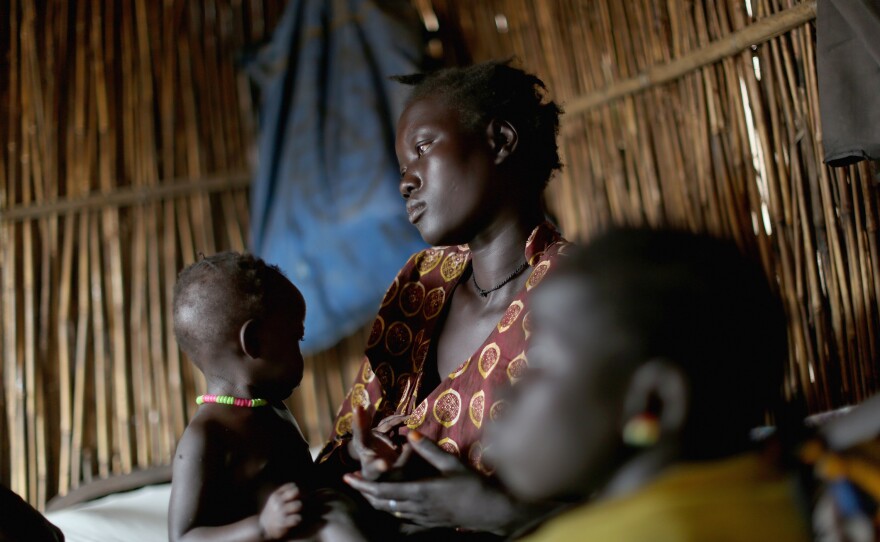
[216, 295]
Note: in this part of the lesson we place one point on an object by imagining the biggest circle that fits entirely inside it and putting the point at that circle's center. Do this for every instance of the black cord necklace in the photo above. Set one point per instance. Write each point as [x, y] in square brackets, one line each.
[510, 277]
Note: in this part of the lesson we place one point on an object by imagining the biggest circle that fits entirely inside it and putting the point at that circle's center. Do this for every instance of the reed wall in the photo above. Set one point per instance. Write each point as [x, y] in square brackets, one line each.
[126, 130]
[703, 114]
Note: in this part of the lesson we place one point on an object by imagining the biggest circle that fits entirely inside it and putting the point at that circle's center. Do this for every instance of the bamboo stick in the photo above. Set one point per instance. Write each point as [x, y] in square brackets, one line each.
[734, 43]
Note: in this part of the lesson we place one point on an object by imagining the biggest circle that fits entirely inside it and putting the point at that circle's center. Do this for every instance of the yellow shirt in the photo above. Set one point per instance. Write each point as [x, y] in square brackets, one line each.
[739, 499]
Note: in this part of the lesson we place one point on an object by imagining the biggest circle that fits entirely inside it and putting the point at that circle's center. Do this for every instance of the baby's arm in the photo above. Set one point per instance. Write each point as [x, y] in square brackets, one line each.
[198, 464]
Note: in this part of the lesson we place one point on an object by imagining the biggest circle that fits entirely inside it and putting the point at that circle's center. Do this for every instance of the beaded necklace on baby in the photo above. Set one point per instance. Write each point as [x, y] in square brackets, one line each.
[230, 400]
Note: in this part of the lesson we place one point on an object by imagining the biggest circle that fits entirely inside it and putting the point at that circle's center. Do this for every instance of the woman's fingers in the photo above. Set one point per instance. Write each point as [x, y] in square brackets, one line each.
[360, 427]
[373, 468]
[399, 491]
[405, 453]
[391, 422]
[433, 454]
[384, 440]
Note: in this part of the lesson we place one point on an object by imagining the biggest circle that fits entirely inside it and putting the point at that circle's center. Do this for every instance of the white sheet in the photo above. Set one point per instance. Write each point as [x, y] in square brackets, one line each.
[135, 516]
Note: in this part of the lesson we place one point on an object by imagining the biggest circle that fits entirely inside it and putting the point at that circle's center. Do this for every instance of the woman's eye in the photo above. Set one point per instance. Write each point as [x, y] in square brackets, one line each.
[422, 148]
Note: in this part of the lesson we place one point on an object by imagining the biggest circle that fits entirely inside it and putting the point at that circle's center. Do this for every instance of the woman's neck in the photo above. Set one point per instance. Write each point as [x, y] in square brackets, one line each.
[499, 249]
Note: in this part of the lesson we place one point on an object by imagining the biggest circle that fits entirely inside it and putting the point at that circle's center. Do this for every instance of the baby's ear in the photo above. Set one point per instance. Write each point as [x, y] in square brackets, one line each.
[247, 338]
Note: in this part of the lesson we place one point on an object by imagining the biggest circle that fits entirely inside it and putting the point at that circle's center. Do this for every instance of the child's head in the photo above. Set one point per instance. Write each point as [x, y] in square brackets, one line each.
[240, 321]
[674, 325]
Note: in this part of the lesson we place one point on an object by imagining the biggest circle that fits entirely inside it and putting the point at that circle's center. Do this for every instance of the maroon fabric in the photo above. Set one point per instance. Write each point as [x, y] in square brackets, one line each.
[392, 377]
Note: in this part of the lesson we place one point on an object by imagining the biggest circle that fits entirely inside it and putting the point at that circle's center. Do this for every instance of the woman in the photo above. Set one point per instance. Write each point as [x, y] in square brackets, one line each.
[653, 355]
[476, 148]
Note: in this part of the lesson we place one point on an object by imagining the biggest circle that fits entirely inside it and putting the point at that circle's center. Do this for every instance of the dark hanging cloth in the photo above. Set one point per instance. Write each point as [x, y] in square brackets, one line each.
[325, 204]
[848, 58]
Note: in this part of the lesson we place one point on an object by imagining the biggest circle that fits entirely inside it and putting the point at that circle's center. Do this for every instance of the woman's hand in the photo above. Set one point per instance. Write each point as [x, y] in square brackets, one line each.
[458, 497]
[373, 448]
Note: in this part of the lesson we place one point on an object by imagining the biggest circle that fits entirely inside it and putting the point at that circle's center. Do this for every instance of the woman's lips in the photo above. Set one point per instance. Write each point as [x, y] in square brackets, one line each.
[415, 209]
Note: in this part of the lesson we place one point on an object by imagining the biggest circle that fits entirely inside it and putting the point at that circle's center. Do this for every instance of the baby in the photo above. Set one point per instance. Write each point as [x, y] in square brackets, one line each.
[242, 464]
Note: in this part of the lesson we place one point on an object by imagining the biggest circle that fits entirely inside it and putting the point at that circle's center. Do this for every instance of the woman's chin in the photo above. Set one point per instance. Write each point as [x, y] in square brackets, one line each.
[438, 237]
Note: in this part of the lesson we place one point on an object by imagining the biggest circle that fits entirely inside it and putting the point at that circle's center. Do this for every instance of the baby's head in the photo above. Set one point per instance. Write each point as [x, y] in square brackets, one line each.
[240, 322]
[669, 327]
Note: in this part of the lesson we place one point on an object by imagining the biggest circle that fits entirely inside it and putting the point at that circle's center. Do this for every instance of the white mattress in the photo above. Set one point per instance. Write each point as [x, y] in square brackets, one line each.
[135, 516]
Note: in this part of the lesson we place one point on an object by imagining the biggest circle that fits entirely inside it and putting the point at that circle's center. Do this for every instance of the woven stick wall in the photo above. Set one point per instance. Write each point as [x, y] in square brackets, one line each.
[703, 114]
[123, 155]
[125, 133]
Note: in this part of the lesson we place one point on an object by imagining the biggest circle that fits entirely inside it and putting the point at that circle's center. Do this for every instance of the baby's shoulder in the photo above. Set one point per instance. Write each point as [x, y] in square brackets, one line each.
[206, 432]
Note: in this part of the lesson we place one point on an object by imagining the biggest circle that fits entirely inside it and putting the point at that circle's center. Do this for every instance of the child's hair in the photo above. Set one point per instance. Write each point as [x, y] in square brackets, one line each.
[496, 90]
[216, 295]
[698, 302]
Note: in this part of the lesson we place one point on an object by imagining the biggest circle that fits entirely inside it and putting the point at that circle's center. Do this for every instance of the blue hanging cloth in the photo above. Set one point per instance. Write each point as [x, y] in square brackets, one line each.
[325, 205]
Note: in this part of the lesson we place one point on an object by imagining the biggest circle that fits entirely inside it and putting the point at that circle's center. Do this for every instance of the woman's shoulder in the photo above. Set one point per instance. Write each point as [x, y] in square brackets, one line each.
[435, 264]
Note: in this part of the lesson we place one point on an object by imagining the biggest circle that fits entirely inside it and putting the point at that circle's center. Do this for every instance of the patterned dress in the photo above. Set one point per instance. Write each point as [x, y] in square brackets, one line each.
[395, 378]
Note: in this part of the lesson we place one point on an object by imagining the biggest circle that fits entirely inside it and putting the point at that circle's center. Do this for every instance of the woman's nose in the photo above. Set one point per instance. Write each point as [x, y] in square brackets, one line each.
[408, 183]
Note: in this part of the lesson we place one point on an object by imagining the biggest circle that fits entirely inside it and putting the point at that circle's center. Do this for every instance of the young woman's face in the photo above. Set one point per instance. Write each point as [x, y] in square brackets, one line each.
[447, 173]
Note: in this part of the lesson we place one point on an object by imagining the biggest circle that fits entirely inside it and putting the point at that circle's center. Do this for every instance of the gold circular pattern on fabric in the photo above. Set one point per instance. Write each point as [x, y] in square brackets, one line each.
[517, 367]
[510, 316]
[376, 332]
[527, 325]
[475, 458]
[475, 410]
[447, 408]
[343, 424]
[417, 342]
[385, 374]
[427, 260]
[402, 386]
[386, 410]
[497, 410]
[359, 397]
[453, 266]
[489, 359]
[434, 302]
[367, 374]
[461, 369]
[391, 292]
[537, 274]
[417, 417]
[411, 298]
[449, 446]
[398, 338]
[420, 354]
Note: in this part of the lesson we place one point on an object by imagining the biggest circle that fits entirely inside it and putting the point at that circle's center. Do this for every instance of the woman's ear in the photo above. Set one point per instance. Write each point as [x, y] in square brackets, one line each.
[658, 388]
[247, 338]
[503, 139]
